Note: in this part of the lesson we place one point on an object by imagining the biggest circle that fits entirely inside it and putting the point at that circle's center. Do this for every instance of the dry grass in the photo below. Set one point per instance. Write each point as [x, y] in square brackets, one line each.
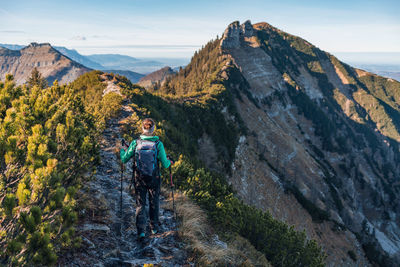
[202, 241]
[92, 208]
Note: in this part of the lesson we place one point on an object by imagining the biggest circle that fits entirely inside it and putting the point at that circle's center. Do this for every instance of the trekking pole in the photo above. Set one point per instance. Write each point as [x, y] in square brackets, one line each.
[172, 190]
[122, 176]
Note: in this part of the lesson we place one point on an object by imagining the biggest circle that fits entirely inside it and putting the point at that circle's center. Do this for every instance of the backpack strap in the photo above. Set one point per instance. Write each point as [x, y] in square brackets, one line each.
[156, 144]
[156, 155]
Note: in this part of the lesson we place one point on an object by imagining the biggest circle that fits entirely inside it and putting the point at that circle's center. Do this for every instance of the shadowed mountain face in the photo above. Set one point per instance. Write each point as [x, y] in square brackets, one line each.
[327, 133]
[50, 62]
[321, 146]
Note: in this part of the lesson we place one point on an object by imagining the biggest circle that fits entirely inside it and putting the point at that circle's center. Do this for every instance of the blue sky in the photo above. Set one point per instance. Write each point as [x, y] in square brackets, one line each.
[175, 28]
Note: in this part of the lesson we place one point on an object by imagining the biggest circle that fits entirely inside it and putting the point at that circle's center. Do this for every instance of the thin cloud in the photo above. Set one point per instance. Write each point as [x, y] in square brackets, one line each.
[78, 38]
[12, 31]
[100, 37]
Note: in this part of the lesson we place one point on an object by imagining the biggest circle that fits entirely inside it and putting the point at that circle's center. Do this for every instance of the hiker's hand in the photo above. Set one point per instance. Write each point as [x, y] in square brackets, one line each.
[124, 143]
[170, 159]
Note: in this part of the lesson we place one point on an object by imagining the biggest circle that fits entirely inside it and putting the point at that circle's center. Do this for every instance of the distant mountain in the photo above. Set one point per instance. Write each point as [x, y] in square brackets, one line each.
[156, 76]
[115, 61]
[84, 60]
[381, 58]
[166, 61]
[12, 46]
[386, 70]
[122, 62]
[134, 77]
[50, 62]
[71, 53]
[382, 63]
[389, 74]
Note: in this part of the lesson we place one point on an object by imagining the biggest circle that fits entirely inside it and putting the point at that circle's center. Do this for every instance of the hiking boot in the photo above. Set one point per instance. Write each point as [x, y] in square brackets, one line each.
[155, 229]
[141, 237]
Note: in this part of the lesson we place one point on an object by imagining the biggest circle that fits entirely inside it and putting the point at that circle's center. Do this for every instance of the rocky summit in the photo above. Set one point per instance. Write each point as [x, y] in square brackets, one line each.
[51, 63]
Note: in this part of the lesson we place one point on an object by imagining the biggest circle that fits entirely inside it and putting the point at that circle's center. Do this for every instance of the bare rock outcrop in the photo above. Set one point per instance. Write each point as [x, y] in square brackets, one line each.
[230, 38]
[235, 33]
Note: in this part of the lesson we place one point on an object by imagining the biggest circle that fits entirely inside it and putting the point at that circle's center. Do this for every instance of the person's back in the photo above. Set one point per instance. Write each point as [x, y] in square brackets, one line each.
[148, 151]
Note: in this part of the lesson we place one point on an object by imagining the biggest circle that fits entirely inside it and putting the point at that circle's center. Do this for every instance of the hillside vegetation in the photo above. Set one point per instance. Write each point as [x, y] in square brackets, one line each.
[47, 146]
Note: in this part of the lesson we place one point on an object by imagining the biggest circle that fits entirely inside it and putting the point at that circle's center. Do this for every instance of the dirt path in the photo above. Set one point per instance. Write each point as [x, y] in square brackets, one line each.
[108, 239]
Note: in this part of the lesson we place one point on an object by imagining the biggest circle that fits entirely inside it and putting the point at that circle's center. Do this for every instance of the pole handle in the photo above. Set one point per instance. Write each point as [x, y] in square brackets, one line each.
[124, 143]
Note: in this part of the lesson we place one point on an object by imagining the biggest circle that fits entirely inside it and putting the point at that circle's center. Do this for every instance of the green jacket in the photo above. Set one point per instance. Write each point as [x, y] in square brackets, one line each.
[161, 155]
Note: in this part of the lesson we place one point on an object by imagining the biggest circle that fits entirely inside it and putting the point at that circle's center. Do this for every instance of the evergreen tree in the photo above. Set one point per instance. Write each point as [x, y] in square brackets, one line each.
[37, 79]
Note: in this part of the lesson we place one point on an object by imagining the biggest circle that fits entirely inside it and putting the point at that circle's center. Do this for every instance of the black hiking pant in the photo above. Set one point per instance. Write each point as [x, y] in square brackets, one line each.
[147, 185]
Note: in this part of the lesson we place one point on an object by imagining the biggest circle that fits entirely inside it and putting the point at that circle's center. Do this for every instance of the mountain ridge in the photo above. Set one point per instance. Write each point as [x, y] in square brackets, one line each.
[313, 82]
[50, 62]
[71, 54]
[74, 55]
[320, 148]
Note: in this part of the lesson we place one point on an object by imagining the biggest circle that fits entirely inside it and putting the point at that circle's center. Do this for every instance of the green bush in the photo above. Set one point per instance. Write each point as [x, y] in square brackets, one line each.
[9, 203]
[281, 244]
[47, 143]
[111, 103]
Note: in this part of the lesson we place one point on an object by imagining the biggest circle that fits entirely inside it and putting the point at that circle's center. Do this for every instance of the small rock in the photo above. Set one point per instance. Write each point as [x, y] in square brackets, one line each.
[88, 242]
[111, 255]
[95, 227]
[219, 243]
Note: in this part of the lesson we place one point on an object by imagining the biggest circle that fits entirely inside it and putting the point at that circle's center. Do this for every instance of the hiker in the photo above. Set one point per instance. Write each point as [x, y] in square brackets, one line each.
[148, 151]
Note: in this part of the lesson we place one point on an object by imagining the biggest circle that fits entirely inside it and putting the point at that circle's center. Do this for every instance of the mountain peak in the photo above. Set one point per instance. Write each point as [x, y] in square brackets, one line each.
[236, 32]
[34, 44]
[290, 81]
[41, 48]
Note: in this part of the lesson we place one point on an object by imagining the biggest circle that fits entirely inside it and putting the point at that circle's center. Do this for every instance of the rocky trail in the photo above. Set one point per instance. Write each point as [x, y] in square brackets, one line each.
[109, 239]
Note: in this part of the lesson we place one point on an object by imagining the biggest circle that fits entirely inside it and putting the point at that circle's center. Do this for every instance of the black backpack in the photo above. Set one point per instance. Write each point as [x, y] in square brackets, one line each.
[146, 157]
